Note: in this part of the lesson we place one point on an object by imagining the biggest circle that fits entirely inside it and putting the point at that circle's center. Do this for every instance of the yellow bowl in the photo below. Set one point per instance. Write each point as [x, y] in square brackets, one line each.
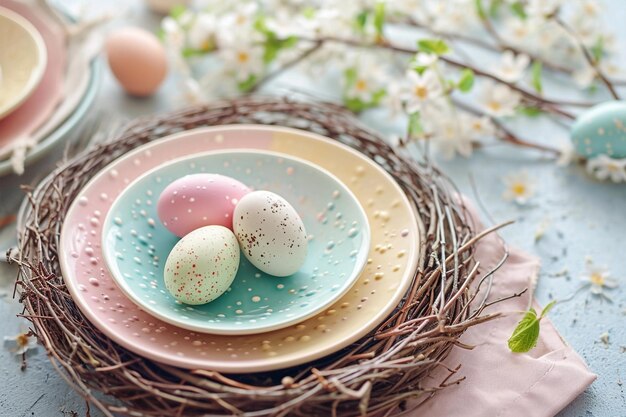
[23, 59]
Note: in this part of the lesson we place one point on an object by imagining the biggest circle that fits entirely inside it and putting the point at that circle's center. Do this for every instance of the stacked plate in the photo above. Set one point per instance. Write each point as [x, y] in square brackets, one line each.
[361, 257]
[47, 84]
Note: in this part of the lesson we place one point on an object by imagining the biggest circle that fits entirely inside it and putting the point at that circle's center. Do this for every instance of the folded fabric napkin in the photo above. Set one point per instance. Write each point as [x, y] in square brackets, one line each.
[499, 383]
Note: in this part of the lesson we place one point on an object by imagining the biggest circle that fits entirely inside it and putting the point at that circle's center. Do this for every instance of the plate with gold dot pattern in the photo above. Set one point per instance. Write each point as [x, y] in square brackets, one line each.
[389, 269]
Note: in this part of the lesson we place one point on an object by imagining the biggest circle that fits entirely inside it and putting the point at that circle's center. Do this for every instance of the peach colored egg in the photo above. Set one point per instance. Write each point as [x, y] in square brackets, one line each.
[137, 60]
[198, 200]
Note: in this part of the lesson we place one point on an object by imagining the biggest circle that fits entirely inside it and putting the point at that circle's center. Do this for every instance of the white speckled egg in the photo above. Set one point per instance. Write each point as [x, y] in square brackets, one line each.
[271, 233]
[202, 265]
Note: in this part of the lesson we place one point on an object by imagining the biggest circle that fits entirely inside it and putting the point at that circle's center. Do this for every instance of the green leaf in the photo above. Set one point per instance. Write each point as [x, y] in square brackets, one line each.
[309, 12]
[433, 46]
[160, 33]
[361, 20]
[177, 11]
[597, 50]
[466, 82]
[480, 9]
[518, 10]
[351, 76]
[247, 84]
[526, 333]
[274, 45]
[188, 52]
[529, 111]
[494, 7]
[415, 125]
[379, 17]
[355, 105]
[547, 309]
[536, 76]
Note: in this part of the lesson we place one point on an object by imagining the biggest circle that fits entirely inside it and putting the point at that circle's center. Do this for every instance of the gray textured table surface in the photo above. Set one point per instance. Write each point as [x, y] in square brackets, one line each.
[585, 219]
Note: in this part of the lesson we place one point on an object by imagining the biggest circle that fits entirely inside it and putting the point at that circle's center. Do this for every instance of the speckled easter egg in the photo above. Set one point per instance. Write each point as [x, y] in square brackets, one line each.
[601, 130]
[202, 265]
[199, 200]
[271, 233]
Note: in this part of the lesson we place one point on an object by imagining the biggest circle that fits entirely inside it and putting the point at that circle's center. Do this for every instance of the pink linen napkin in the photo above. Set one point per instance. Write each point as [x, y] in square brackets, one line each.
[500, 383]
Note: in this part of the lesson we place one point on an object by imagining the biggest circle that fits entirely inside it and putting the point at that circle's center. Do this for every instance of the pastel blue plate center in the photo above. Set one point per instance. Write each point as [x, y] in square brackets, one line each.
[136, 245]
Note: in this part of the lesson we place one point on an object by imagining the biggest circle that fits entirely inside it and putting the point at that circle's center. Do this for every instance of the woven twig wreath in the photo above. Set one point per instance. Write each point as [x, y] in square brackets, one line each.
[376, 375]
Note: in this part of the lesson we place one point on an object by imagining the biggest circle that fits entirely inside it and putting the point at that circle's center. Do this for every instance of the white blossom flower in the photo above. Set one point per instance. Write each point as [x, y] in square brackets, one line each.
[202, 33]
[393, 99]
[478, 127]
[598, 279]
[498, 99]
[421, 88]
[519, 187]
[590, 8]
[584, 76]
[173, 34]
[368, 82]
[512, 66]
[243, 60]
[23, 342]
[604, 167]
[423, 59]
[542, 8]
[451, 139]
[451, 15]
[518, 31]
[567, 154]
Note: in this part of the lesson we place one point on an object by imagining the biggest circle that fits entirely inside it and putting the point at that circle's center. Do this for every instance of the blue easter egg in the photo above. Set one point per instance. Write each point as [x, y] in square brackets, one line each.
[601, 130]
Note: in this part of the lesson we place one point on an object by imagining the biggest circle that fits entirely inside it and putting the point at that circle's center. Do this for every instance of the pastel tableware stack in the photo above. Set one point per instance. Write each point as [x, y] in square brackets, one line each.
[48, 83]
[280, 306]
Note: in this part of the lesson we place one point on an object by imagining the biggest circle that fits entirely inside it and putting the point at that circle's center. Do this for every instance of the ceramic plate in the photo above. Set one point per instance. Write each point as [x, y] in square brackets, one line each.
[388, 272]
[136, 245]
[36, 109]
[23, 59]
[50, 136]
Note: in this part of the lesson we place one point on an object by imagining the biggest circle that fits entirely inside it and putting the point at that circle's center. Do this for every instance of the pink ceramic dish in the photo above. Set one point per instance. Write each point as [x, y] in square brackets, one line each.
[380, 287]
[36, 109]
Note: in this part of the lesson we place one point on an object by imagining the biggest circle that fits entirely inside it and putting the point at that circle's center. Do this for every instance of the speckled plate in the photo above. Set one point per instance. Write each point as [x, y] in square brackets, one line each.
[135, 245]
[378, 290]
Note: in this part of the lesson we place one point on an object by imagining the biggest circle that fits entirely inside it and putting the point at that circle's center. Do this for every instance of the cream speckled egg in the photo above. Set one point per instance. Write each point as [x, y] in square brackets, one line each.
[202, 265]
[271, 233]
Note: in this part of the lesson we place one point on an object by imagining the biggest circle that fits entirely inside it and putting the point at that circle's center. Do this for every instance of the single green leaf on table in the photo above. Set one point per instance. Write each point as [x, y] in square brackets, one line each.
[433, 46]
[526, 334]
[536, 76]
[466, 82]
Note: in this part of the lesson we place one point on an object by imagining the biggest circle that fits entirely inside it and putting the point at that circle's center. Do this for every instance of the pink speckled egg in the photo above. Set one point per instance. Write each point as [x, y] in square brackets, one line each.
[198, 200]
